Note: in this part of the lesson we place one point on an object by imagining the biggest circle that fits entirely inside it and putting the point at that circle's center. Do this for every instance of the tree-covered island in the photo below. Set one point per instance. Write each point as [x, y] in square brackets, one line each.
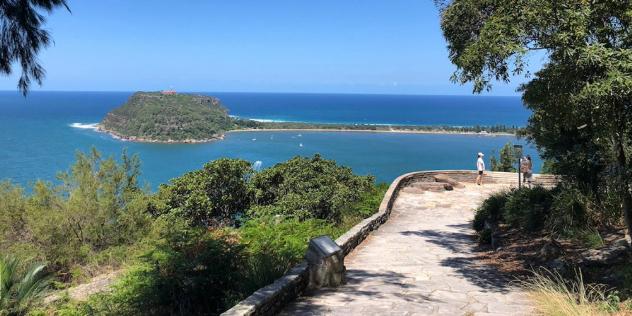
[159, 117]
[190, 118]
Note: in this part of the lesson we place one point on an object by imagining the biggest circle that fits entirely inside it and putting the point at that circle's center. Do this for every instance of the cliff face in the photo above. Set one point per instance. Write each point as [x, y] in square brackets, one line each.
[164, 118]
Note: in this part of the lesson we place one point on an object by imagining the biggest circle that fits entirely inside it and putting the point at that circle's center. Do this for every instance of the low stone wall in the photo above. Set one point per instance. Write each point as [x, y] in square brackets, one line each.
[270, 299]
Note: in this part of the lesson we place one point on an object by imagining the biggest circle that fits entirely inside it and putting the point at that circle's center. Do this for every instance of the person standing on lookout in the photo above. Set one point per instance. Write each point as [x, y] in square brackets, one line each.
[480, 166]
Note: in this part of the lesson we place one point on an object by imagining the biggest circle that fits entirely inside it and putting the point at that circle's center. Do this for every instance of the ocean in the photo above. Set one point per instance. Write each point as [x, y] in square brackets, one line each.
[40, 134]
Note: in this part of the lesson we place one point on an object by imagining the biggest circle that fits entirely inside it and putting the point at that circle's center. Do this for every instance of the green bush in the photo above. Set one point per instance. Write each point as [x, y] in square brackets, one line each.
[260, 270]
[369, 202]
[528, 208]
[491, 209]
[219, 192]
[98, 205]
[484, 237]
[305, 188]
[287, 238]
[568, 211]
[22, 285]
[190, 274]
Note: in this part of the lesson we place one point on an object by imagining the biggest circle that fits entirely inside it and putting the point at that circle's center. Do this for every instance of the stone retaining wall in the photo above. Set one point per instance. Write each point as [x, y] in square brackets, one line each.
[270, 299]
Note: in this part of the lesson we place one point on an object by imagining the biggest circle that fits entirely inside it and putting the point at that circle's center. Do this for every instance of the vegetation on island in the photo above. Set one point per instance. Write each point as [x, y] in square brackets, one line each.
[581, 122]
[153, 116]
[191, 118]
[494, 129]
[197, 246]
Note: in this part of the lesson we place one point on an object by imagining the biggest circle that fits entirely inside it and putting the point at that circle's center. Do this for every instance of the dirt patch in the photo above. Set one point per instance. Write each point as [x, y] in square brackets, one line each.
[518, 254]
[100, 283]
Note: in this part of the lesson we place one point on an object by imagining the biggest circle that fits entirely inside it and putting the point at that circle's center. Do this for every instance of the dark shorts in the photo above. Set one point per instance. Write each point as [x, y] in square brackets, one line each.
[480, 172]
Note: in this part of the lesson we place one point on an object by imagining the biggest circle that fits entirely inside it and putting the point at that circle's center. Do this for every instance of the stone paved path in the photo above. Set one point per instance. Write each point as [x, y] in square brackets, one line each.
[420, 262]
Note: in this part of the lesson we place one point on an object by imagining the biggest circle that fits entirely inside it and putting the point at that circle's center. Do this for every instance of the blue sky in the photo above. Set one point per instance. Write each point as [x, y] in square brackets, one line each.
[349, 46]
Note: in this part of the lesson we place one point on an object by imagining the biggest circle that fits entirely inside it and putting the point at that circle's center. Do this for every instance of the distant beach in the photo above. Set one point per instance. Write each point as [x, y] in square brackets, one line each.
[194, 141]
[371, 131]
[40, 135]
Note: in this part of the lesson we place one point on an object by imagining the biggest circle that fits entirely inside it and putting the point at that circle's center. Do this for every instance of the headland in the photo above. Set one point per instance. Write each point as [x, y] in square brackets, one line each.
[169, 117]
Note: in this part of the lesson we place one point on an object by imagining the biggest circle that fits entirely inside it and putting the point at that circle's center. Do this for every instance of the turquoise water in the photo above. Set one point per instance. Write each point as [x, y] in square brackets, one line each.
[37, 137]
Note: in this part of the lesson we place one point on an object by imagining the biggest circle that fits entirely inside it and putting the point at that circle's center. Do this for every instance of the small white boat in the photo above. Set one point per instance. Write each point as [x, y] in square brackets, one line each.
[300, 145]
[299, 135]
[254, 139]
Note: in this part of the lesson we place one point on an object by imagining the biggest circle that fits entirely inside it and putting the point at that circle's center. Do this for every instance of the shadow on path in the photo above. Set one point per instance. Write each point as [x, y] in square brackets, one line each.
[459, 240]
[362, 287]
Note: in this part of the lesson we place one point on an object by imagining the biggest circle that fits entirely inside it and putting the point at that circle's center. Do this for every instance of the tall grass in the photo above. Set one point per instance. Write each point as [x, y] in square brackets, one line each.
[557, 296]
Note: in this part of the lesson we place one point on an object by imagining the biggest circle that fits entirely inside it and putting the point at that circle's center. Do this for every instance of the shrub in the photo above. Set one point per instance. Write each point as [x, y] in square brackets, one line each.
[491, 209]
[287, 238]
[219, 192]
[305, 188]
[260, 270]
[568, 211]
[22, 285]
[484, 237]
[369, 202]
[527, 207]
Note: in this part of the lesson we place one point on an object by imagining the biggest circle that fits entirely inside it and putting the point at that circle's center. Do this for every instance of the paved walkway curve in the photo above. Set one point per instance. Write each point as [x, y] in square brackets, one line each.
[420, 262]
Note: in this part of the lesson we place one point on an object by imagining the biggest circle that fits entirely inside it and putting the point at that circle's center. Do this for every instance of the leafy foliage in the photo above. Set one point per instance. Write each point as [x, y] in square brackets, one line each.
[301, 188]
[507, 162]
[527, 208]
[97, 206]
[23, 36]
[582, 119]
[22, 285]
[197, 259]
[218, 192]
[181, 117]
[563, 210]
[285, 238]
[492, 209]
[306, 188]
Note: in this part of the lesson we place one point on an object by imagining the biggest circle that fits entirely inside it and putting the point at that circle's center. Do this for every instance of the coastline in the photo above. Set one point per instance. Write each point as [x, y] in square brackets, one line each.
[120, 137]
[367, 131]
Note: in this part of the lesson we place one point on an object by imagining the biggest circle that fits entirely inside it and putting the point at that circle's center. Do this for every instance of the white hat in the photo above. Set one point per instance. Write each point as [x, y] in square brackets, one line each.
[481, 154]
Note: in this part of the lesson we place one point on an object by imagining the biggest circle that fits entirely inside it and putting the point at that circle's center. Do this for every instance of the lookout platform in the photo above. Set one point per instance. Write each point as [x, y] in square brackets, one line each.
[422, 260]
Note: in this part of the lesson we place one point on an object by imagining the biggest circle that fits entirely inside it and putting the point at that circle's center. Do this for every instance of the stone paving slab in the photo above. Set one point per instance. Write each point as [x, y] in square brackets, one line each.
[421, 262]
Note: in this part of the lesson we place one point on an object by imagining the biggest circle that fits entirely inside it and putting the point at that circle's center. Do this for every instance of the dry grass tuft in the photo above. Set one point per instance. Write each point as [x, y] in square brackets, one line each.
[557, 296]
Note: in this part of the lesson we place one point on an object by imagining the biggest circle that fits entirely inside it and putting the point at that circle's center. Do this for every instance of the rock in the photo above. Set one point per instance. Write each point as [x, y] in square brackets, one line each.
[610, 277]
[557, 265]
[445, 179]
[551, 250]
[494, 237]
[447, 187]
[620, 242]
[605, 256]
[430, 186]
[612, 235]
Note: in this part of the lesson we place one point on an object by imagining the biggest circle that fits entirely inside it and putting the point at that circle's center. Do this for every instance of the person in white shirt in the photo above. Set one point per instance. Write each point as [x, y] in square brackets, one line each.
[480, 166]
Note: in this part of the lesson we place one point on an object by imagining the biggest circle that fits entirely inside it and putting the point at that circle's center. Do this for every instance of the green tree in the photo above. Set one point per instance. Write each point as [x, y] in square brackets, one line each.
[218, 192]
[22, 285]
[306, 188]
[585, 84]
[97, 206]
[507, 161]
[23, 36]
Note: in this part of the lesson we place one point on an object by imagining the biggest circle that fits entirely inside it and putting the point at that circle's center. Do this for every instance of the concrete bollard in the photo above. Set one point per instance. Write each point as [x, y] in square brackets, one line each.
[326, 263]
